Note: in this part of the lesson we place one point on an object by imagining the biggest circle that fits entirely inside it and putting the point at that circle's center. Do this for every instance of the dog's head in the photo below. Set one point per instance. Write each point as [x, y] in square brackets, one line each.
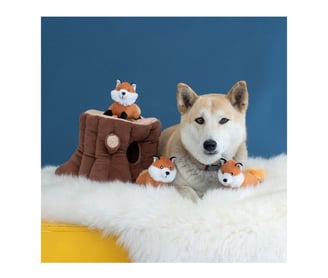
[212, 125]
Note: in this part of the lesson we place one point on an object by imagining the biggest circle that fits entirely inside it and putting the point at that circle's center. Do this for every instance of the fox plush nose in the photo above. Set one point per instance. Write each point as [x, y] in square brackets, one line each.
[123, 93]
[225, 180]
[167, 173]
[209, 145]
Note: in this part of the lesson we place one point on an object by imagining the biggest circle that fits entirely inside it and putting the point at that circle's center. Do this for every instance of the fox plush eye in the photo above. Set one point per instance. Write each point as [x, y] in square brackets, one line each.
[223, 121]
[200, 120]
[161, 167]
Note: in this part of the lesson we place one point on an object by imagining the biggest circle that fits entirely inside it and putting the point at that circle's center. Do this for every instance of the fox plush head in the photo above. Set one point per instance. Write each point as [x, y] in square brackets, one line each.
[231, 174]
[161, 172]
[124, 93]
[163, 169]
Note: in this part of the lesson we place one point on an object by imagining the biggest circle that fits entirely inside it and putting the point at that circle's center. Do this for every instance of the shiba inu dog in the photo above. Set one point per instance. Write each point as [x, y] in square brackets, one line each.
[211, 126]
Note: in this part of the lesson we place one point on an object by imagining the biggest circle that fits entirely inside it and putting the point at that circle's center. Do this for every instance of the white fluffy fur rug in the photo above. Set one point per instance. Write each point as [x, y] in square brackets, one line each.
[158, 225]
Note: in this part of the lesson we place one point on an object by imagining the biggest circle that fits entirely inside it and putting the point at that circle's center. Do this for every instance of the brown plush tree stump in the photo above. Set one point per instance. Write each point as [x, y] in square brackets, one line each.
[111, 148]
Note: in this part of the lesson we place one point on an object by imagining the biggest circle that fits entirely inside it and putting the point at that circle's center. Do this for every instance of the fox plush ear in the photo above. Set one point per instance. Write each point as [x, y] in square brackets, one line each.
[222, 161]
[155, 158]
[134, 85]
[240, 165]
[186, 97]
[118, 82]
[238, 96]
[172, 158]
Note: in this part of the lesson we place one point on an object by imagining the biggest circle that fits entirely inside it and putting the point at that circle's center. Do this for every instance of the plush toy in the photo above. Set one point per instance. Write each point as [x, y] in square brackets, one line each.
[231, 174]
[112, 149]
[124, 96]
[161, 172]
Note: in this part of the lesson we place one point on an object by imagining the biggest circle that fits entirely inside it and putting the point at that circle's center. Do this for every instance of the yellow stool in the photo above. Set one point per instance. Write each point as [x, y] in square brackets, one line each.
[73, 243]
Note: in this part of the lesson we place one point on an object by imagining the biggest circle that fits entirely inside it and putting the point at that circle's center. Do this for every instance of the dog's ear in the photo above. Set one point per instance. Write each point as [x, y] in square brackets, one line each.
[186, 97]
[238, 96]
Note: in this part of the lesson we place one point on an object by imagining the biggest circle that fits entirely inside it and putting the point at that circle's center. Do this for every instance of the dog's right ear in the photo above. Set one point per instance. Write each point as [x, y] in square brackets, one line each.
[186, 97]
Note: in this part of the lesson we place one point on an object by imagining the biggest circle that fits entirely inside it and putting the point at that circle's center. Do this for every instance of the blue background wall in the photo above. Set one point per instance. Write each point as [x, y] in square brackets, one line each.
[83, 57]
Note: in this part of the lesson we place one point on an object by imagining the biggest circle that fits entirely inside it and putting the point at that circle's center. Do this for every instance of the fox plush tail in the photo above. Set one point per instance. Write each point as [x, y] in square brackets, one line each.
[258, 173]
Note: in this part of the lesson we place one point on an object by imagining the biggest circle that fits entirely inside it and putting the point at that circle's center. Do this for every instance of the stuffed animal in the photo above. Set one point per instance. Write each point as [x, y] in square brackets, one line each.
[124, 96]
[231, 174]
[161, 172]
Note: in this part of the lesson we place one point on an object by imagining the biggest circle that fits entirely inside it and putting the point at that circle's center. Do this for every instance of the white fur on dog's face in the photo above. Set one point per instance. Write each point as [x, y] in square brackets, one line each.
[165, 174]
[228, 135]
[124, 97]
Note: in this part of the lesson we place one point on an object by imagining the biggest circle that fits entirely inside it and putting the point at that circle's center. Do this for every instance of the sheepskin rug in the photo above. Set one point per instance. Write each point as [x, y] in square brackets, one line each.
[158, 225]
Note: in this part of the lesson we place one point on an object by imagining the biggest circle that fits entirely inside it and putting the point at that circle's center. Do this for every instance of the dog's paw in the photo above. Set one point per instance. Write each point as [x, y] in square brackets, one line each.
[188, 193]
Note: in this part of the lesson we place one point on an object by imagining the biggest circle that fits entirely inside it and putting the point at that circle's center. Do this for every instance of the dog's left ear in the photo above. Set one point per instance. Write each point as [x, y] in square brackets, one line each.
[238, 96]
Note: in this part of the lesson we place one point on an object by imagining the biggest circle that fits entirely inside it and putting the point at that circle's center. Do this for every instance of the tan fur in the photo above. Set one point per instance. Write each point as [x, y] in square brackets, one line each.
[185, 139]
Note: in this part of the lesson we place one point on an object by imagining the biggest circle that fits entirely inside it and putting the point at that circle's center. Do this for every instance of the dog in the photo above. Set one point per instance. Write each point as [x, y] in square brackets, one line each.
[212, 126]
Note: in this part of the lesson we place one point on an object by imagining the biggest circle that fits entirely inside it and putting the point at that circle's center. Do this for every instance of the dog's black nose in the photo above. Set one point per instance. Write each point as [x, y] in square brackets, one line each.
[167, 173]
[209, 145]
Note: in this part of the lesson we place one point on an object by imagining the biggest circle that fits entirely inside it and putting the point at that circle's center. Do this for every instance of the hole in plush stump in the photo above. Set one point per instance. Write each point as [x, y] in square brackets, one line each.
[133, 152]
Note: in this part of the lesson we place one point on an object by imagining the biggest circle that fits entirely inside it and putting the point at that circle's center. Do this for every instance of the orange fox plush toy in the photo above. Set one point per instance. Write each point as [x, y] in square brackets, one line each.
[231, 174]
[161, 172]
[124, 96]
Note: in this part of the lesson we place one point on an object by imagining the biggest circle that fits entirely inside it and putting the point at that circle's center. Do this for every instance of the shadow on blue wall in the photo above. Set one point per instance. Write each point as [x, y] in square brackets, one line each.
[83, 57]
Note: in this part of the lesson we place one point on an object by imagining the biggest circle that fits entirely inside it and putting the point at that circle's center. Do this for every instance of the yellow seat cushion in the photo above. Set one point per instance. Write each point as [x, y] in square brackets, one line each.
[73, 243]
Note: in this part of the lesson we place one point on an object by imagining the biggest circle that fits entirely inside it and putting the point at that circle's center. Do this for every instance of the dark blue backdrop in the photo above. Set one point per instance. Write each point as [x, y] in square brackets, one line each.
[83, 57]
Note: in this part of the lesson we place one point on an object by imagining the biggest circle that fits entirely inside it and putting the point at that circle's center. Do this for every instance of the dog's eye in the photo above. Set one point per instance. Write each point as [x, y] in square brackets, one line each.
[223, 121]
[200, 120]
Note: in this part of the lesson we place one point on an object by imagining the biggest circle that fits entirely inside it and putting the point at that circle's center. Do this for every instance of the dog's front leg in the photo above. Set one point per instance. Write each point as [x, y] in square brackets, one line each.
[187, 192]
[242, 153]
